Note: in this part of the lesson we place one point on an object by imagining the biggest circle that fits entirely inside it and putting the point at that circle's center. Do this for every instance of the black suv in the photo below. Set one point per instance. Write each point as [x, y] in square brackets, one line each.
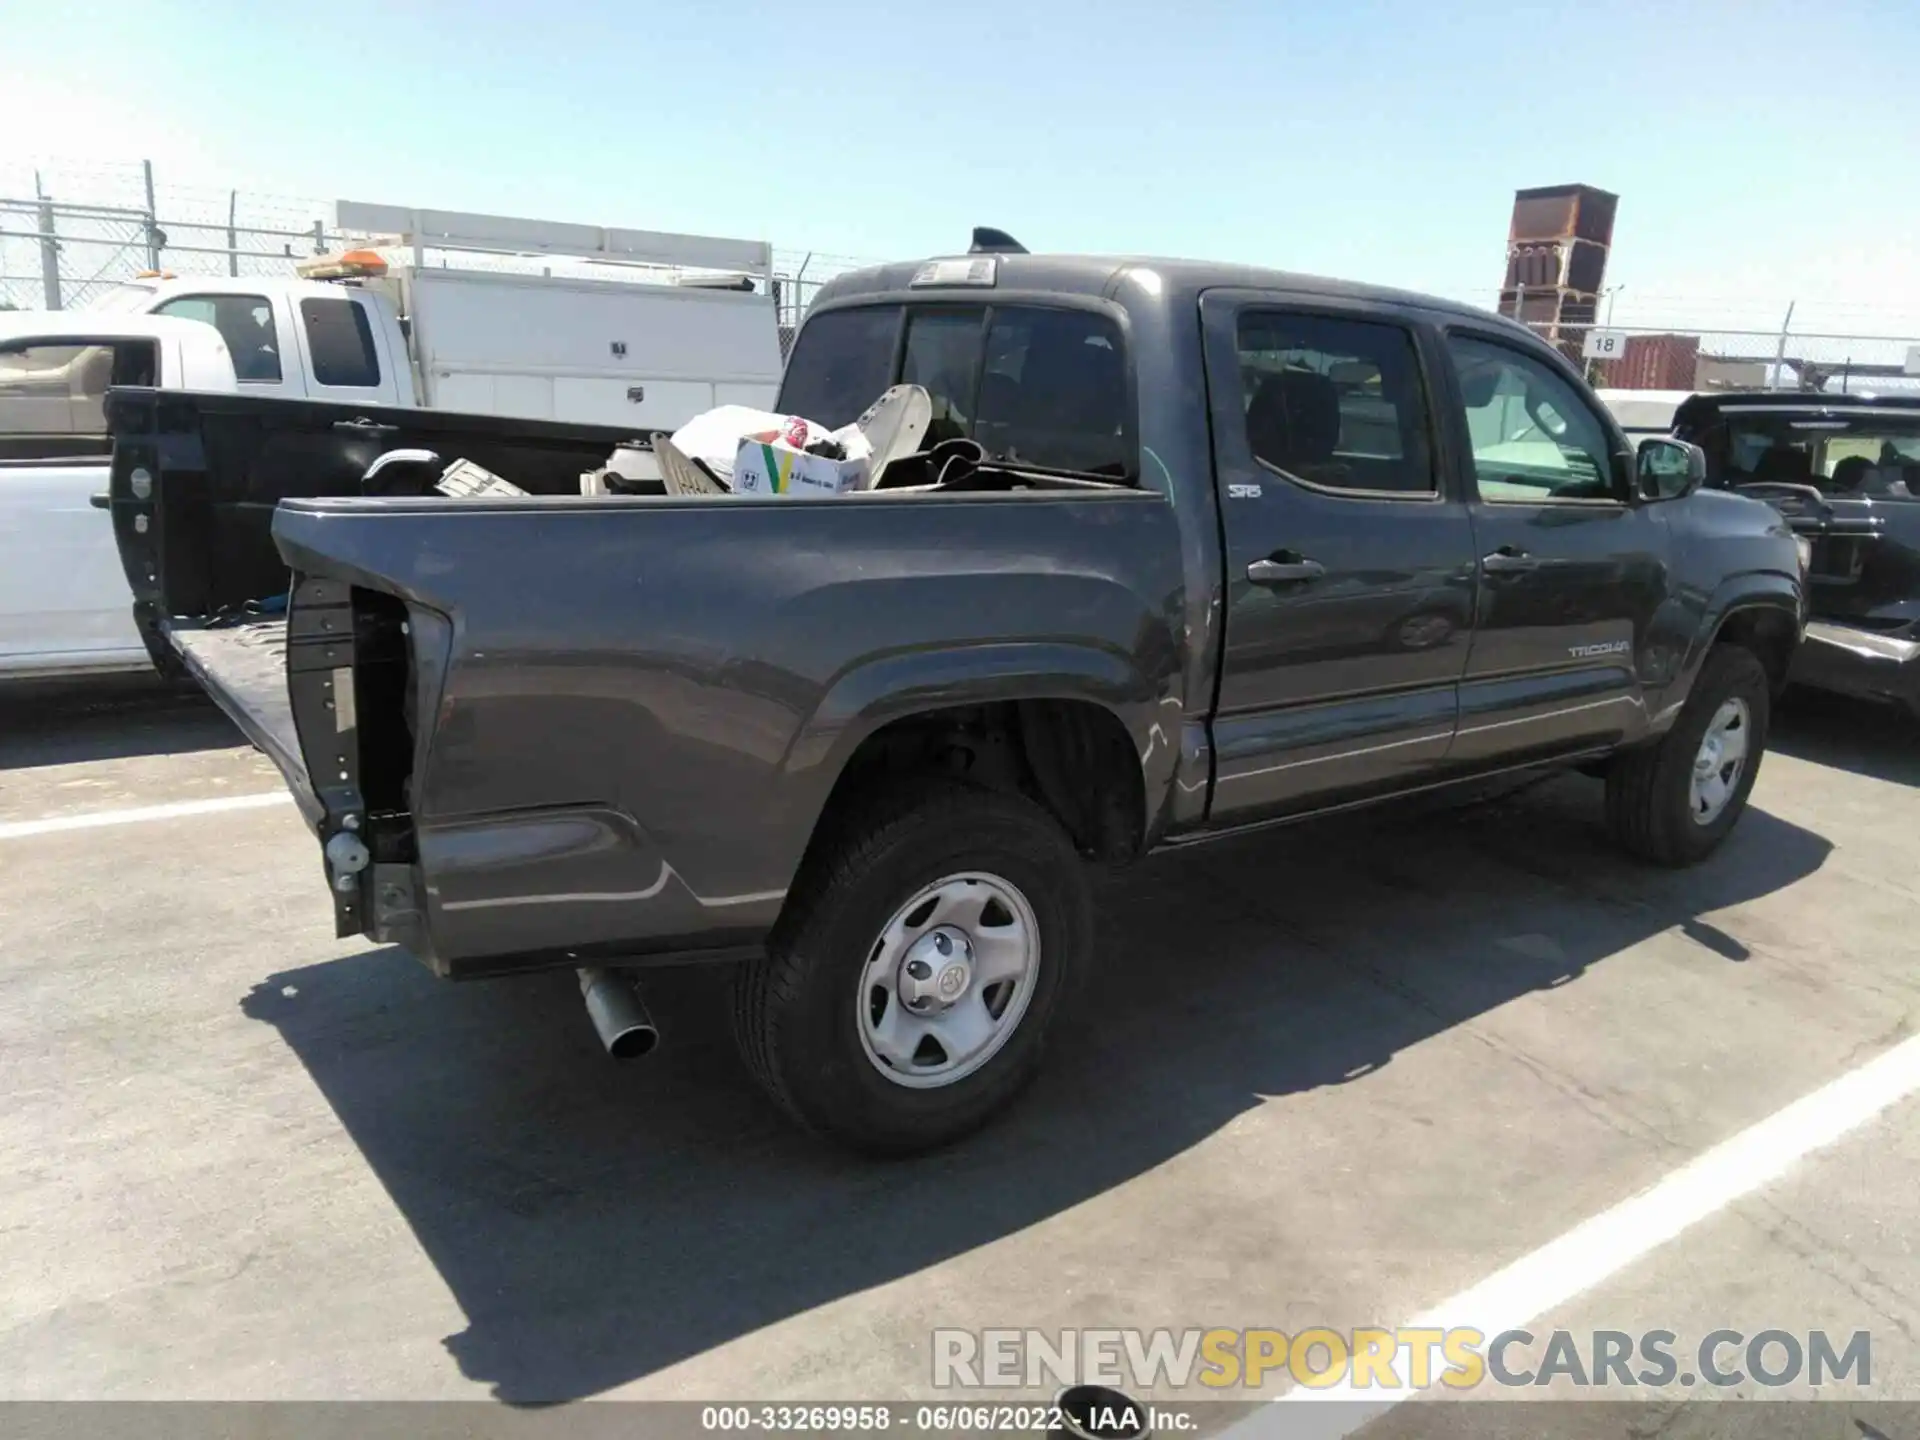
[1845, 471]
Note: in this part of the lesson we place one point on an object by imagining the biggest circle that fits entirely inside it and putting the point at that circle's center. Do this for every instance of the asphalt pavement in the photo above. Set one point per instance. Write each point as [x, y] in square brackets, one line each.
[1324, 1077]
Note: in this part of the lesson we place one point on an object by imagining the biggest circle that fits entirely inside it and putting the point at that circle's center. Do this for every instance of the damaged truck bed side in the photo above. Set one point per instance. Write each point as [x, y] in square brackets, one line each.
[1247, 547]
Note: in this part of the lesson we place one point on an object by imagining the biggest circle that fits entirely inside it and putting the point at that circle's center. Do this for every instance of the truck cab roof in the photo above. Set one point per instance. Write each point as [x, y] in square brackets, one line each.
[1178, 281]
[1702, 407]
[148, 292]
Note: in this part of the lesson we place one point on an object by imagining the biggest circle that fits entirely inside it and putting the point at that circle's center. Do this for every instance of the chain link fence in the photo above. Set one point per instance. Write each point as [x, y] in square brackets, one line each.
[798, 277]
[71, 232]
[68, 234]
[1678, 343]
[1681, 358]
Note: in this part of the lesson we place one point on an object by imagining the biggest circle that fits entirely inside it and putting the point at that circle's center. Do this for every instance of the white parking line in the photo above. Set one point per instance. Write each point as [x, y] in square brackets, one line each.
[52, 825]
[1611, 1241]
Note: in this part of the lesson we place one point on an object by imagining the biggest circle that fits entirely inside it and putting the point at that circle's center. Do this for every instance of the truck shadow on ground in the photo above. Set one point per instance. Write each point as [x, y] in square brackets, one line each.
[69, 722]
[597, 1223]
[1881, 742]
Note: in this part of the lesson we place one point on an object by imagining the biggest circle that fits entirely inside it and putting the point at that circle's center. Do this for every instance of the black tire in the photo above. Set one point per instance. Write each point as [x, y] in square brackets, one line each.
[1649, 790]
[794, 1013]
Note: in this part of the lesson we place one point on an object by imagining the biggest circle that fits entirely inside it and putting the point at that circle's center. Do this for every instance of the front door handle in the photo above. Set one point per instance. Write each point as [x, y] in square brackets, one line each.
[1284, 572]
[101, 501]
[1507, 560]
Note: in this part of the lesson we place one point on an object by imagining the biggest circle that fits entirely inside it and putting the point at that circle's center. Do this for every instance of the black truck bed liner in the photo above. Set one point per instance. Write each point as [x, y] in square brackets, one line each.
[243, 667]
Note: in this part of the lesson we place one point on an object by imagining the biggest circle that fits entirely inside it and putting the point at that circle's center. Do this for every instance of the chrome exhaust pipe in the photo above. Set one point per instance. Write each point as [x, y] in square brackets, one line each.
[618, 1013]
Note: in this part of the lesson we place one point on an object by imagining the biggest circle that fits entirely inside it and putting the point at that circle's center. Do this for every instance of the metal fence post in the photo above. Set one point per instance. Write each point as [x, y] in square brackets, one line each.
[233, 239]
[153, 219]
[799, 301]
[319, 237]
[1780, 354]
[49, 247]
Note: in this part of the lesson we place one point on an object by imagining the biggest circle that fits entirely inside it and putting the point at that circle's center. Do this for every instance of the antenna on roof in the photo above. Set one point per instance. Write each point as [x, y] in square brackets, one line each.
[989, 241]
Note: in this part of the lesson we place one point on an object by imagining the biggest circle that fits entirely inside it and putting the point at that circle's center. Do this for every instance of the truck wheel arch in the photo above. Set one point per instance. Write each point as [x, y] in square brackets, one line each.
[1759, 612]
[1068, 725]
[1749, 608]
[1769, 630]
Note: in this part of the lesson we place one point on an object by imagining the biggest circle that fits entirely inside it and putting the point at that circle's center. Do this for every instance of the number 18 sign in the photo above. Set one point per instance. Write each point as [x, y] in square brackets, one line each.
[1604, 345]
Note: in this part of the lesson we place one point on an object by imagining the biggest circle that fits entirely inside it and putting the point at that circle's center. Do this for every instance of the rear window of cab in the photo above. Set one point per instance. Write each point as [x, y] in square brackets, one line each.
[1033, 385]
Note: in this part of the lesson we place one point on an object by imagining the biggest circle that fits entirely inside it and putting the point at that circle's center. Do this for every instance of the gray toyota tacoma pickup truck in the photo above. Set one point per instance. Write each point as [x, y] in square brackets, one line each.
[1245, 547]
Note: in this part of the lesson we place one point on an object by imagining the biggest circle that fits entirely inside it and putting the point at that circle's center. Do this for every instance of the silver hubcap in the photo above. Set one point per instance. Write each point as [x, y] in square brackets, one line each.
[1722, 756]
[947, 981]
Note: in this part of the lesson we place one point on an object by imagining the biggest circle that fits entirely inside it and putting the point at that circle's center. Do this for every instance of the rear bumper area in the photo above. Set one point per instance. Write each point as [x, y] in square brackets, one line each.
[243, 668]
[322, 693]
[1858, 662]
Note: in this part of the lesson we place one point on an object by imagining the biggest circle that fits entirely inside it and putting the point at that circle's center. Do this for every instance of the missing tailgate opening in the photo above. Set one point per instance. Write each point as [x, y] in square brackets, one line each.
[384, 690]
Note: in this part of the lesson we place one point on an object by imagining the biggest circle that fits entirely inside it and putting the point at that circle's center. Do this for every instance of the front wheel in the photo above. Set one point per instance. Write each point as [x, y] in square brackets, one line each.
[905, 998]
[1675, 802]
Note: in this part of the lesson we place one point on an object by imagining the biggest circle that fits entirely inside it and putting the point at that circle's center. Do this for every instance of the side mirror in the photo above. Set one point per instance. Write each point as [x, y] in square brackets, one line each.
[1668, 469]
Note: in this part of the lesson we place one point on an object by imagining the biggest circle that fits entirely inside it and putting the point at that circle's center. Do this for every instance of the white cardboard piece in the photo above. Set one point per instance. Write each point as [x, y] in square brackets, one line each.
[773, 467]
[758, 452]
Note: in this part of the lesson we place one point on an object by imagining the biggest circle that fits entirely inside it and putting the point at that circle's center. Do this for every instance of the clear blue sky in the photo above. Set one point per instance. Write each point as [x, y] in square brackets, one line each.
[1380, 141]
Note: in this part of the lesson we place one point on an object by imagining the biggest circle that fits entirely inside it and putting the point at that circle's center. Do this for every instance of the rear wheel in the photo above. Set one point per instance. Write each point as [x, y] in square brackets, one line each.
[1675, 802]
[906, 997]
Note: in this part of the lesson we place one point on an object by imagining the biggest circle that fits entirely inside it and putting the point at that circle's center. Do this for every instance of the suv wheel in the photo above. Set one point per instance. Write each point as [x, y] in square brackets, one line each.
[1675, 802]
[905, 997]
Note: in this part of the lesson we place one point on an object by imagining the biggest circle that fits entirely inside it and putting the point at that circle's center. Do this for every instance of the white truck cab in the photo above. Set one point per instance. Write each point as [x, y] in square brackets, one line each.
[1644, 413]
[693, 326]
[297, 338]
[64, 604]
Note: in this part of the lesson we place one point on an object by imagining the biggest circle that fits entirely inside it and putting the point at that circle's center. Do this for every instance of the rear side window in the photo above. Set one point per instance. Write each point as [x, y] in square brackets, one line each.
[1046, 388]
[341, 343]
[841, 362]
[943, 356]
[1875, 456]
[1040, 387]
[1336, 403]
[52, 396]
[245, 322]
[1053, 391]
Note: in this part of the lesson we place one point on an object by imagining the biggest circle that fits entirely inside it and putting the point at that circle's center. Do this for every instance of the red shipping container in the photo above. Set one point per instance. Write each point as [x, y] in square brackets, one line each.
[1656, 362]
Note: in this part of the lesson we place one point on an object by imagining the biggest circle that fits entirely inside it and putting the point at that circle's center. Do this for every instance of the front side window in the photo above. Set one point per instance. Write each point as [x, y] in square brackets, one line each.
[341, 343]
[245, 322]
[1533, 437]
[1337, 403]
[52, 395]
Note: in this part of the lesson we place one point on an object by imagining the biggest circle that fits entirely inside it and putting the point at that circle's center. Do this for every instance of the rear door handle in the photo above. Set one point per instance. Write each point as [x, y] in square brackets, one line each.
[365, 427]
[1284, 572]
[101, 501]
[1507, 560]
